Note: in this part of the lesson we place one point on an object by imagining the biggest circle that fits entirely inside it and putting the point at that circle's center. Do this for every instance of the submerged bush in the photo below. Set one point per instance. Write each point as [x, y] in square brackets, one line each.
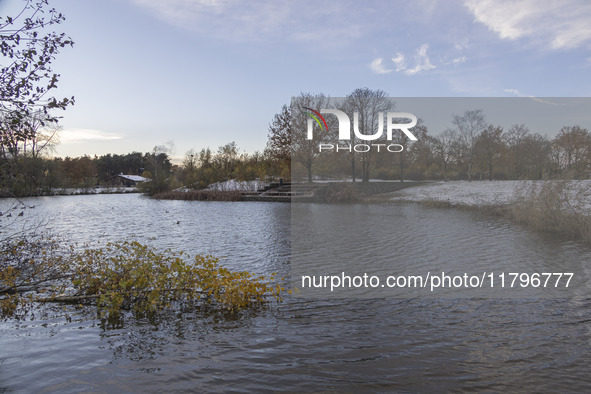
[127, 276]
[28, 266]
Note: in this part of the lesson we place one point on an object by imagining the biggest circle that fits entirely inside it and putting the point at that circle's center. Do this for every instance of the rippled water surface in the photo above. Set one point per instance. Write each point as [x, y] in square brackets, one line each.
[308, 343]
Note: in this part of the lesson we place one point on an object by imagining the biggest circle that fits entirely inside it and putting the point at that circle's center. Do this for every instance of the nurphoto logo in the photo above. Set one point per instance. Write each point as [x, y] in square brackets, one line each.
[394, 122]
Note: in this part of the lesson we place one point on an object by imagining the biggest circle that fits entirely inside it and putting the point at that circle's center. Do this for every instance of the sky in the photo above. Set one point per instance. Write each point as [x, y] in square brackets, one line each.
[191, 74]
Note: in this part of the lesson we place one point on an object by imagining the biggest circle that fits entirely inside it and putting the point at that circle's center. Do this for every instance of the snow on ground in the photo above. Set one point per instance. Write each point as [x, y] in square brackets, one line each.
[463, 192]
[481, 193]
[234, 185]
[332, 180]
[89, 190]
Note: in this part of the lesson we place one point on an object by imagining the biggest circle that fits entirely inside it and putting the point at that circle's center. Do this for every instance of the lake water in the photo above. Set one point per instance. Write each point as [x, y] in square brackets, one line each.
[308, 343]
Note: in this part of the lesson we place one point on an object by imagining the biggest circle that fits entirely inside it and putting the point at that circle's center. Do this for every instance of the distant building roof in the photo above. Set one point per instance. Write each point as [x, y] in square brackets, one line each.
[134, 178]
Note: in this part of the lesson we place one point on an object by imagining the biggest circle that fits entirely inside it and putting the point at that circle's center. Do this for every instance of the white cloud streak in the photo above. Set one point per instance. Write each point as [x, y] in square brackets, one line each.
[418, 63]
[551, 24]
[400, 62]
[331, 23]
[73, 136]
[377, 66]
[539, 100]
[421, 60]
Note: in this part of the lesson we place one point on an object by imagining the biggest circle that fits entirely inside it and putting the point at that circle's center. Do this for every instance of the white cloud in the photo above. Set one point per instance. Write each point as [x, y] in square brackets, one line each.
[73, 136]
[399, 61]
[326, 24]
[539, 100]
[515, 92]
[555, 24]
[377, 66]
[220, 18]
[422, 61]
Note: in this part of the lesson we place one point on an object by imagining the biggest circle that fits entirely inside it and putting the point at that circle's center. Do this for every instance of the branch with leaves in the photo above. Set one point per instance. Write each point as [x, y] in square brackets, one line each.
[126, 276]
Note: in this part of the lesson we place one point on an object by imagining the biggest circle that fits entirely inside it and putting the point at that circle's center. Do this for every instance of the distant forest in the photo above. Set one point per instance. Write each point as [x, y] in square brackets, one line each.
[29, 173]
[470, 149]
[516, 153]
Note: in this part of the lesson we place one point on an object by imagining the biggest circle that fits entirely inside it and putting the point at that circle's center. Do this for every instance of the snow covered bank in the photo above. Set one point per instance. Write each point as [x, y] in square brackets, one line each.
[77, 191]
[234, 185]
[486, 193]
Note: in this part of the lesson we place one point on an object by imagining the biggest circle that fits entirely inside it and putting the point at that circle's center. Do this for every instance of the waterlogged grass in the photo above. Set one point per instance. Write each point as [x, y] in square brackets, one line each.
[560, 207]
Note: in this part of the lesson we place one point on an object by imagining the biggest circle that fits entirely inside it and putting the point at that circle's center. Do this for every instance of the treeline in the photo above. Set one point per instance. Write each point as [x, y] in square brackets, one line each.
[199, 170]
[470, 148]
[36, 175]
[25, 174]
[496, 153]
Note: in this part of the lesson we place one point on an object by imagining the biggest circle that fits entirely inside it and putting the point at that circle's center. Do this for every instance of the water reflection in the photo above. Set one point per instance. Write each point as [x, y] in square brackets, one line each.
[306, 344]
[251, 235]
[355, 241]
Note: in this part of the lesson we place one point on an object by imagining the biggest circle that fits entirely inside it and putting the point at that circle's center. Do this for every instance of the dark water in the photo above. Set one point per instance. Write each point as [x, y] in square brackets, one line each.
[306, 344]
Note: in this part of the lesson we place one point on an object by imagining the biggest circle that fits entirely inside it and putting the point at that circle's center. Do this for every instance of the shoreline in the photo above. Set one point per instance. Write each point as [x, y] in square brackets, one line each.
[79, 192]
[554, 207]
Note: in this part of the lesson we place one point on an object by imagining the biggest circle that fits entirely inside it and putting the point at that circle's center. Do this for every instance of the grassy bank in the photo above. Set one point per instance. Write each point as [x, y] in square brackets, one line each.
[200, 195]
[349, 192]
[556, 207]
[559, 207]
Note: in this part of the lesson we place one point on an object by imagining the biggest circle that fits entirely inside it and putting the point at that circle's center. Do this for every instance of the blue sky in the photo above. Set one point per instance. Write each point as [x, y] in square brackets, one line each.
[199, 73]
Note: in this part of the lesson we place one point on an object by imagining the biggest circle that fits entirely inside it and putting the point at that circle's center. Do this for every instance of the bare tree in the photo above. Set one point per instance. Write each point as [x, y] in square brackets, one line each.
[371, 106]
[279, 140]
[536, 148]
[420, 153]
[404, 158]
[572, 150]
[469, 126]
[515, 139]
[489, 147]
[444, 147]
[190, 168]
[227, 159]
[303, 150]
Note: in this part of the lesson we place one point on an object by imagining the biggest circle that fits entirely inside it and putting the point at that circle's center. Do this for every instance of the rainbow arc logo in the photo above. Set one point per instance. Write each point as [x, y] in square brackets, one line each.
[315, 115]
